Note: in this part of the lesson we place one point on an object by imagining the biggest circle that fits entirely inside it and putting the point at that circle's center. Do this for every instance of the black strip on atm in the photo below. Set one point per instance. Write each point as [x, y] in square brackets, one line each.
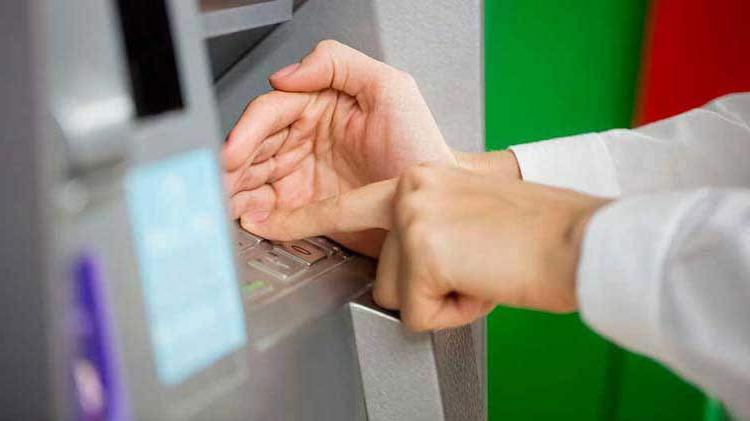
[151, 56]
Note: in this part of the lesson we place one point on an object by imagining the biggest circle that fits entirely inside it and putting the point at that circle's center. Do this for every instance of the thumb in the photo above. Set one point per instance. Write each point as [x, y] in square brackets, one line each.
[330, 65]
[357, 210]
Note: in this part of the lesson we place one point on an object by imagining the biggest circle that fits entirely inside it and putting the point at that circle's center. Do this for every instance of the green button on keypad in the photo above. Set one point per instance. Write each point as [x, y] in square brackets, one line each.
[254, 287]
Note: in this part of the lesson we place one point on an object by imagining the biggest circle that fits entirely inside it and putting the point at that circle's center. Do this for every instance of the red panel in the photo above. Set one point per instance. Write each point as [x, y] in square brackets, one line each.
[696, 50]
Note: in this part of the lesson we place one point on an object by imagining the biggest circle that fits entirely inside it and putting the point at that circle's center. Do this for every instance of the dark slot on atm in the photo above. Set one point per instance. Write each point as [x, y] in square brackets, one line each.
[151, 56]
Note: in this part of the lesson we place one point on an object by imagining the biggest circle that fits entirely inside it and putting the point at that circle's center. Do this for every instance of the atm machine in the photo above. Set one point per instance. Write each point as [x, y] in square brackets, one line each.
[128, 293]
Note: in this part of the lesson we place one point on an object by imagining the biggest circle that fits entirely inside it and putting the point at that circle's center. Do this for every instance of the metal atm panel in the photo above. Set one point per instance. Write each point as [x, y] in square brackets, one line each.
[112, 253]
[441, 42]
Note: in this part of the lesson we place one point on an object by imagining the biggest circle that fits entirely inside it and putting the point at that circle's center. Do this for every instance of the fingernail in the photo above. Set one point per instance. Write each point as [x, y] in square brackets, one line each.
[286, 71]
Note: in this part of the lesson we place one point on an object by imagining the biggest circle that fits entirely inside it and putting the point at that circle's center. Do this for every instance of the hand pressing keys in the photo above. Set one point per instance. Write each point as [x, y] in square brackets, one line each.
[458, 242]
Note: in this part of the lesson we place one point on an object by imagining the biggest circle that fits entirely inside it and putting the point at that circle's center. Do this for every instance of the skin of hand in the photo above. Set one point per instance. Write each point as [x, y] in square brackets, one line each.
[496, 163]
[459, 242]
[336, 121]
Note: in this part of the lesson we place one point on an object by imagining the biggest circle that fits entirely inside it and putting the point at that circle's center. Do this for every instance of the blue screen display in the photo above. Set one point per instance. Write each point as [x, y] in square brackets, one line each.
[186, 263]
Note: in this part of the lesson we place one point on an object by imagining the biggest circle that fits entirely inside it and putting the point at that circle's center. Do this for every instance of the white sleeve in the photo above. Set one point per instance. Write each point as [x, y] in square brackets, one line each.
[668, 275]
[709, 146]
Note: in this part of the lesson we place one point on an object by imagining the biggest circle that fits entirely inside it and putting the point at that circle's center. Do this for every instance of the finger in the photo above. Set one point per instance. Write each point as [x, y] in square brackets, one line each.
[330, 65]
[460, 310]
[299, 133]
[419, 307]
[271, 145]
[369, 242]
[357, 210]
[464, 309]
[485, 308]
[250, 176]
[299, 187]
[427, 303]
[422, 312]
[385, 291]
[254, 175]
[289, 161]
[234, 180]
[255, 205]
[264, 116]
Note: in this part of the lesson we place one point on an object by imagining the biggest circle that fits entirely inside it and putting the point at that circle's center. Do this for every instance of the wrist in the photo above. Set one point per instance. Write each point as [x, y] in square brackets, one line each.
[465, 160]
[581, 221]
[577, 235]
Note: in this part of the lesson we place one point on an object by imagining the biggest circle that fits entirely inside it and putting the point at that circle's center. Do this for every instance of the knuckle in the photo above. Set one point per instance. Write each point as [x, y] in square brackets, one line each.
[419, 176]
[415, 320]
[233, 136]
[409, 204]
[426, 240]
[267, 100]
[392, 82]
[403, 185]
[329, 51]
[418, 233]
[327, 45]
[383, 298]
[405, 77]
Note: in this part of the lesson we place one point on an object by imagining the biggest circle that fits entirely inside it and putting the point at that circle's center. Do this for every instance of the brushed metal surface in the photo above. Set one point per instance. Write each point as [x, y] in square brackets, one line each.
[399, 374]
[221, 17]
[316, 352]
[461, 382]
[440, 42]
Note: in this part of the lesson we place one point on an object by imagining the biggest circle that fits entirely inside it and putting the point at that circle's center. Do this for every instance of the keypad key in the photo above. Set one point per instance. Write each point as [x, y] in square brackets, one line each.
[328, 246]
[303, 251]
[276, 264]
[246, 240]
[255, 289]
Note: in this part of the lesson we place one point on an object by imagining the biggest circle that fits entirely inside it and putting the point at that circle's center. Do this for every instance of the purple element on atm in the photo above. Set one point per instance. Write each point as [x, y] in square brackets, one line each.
[100, 392]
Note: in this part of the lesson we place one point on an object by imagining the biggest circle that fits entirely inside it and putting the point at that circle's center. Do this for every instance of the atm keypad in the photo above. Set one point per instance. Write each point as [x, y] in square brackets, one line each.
[273, 267]
[279, 265]
[303, 251]
[245, 240]
[256, 289]
[328, 246]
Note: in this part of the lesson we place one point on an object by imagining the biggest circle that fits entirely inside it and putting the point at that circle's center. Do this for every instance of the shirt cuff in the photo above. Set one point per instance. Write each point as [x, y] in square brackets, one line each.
[570, 162]
[623, 258]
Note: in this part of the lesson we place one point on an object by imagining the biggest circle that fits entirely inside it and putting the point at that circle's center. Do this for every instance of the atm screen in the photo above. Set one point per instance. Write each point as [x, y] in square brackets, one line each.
[186, 261]
[151, 56]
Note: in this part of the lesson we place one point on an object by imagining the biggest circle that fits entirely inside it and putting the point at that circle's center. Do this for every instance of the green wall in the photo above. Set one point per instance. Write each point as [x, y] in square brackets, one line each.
[555, 68]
